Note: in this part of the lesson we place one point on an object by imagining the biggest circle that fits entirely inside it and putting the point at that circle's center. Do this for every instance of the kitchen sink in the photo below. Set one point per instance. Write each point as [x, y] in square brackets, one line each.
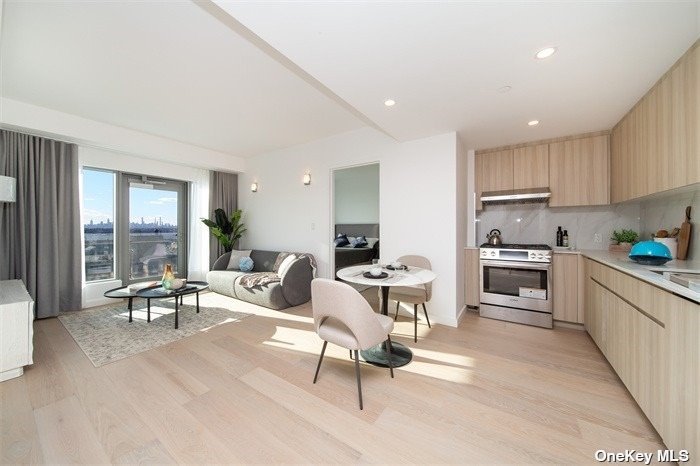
[688, 280]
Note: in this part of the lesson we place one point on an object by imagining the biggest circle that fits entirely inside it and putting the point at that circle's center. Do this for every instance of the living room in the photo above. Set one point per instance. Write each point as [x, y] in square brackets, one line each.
[123, 125]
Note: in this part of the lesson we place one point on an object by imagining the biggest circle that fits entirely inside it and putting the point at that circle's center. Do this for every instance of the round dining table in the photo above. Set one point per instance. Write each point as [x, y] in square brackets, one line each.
[413, 276]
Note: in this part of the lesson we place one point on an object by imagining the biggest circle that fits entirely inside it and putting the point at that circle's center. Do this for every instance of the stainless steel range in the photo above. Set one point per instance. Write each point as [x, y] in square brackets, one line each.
[516, 283]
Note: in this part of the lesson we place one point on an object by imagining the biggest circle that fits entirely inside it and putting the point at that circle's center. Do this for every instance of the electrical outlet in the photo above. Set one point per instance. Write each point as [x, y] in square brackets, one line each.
[597, 238]
[313, 226]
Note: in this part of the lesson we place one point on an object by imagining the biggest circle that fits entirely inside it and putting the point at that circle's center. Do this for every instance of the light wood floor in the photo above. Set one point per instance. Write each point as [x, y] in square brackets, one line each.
[486, 392]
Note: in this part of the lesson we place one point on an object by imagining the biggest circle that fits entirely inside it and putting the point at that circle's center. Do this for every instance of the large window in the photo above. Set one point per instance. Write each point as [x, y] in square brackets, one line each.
[98, 215]
[134, 226]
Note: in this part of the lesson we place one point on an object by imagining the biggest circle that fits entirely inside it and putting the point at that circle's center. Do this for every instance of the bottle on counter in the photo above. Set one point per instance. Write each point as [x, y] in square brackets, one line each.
[565, 239]
[560, 237]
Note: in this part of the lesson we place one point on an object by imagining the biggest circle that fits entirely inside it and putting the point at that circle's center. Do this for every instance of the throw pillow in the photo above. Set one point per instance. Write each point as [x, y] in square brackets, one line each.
[286, 264]
[371, 242]
[341, 240]
[235, 259]
[246, 264]
[359, 242]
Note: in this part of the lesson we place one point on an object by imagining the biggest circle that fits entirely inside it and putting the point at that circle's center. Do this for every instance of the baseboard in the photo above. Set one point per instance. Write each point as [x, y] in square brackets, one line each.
[460, 314]
[571, 325]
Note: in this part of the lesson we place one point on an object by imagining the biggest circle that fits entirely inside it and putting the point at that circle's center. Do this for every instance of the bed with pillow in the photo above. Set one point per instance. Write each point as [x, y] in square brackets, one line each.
[356, 244]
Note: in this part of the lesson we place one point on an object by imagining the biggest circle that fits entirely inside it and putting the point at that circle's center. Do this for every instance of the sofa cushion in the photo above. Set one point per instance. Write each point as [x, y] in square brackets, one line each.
[235, 259]
[269, 295]
[246, 264]
[264, 260]
[222, 281]
[286, 263]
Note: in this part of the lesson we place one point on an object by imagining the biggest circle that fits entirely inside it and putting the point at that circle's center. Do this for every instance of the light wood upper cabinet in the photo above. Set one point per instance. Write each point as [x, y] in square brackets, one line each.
[493, 172]
[579, 171]
[531, 167]
[471, 277]
[567, 287]
[656, 146]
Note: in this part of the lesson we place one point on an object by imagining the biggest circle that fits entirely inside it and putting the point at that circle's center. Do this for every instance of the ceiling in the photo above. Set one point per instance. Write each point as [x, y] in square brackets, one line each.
[168, 69]
[298, 71]
[443, 62]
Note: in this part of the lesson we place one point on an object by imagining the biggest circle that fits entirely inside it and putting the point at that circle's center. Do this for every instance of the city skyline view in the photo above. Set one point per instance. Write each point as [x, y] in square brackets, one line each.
[146, 206]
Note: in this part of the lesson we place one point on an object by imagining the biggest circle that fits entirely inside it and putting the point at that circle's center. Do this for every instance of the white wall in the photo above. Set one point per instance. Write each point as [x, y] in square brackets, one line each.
[417, 202]
[357, 194]
[461, 215]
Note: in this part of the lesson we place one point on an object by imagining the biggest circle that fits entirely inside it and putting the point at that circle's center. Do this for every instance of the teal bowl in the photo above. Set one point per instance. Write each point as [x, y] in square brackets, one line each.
[650, 253]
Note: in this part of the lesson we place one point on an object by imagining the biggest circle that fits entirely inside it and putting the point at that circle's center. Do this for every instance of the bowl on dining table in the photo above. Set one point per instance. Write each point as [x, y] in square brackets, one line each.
[375, 271]
[397, 265]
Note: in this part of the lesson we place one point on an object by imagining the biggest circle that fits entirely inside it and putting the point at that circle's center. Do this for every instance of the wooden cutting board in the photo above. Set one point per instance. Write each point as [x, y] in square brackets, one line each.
[684, 236]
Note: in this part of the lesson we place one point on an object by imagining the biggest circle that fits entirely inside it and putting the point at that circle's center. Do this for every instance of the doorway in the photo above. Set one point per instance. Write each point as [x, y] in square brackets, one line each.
[153, 227]
[354, 216]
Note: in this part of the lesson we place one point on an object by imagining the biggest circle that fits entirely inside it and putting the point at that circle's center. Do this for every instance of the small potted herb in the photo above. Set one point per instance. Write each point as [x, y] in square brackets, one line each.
[623, 240]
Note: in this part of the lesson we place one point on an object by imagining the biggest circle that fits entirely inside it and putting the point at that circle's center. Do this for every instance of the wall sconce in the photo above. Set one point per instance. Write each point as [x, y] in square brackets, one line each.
[254, 187]
[307, 179]
[8, 189]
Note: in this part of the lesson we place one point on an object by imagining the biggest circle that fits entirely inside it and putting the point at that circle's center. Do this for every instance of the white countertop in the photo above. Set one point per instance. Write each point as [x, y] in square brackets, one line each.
[620, 261]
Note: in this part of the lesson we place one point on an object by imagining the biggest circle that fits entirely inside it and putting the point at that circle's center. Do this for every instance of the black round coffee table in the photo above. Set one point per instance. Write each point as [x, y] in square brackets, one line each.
[123, 292]
[158, 292]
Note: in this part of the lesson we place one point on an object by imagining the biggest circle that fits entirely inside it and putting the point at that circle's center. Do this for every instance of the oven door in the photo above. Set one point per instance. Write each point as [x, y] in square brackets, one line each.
[521, 285]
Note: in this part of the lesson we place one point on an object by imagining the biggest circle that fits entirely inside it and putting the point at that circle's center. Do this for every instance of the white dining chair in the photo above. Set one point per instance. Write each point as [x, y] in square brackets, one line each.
[416, 295]
[345, 318]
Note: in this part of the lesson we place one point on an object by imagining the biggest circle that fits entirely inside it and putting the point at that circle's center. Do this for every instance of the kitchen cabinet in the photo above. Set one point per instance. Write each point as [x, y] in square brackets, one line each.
[579, 171]
[652, 339]
[531, 167]
[493, 172]
[567, 289]
[655, 146]
[471, 277]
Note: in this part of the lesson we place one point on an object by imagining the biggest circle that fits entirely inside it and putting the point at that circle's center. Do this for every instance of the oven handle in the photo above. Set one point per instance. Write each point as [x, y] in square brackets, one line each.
[517, 265]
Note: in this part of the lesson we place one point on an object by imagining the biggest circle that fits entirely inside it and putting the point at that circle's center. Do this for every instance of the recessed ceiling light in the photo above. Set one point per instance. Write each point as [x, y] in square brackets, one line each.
[545, 53]
[504, 89]
[389, 103]
[533, 123]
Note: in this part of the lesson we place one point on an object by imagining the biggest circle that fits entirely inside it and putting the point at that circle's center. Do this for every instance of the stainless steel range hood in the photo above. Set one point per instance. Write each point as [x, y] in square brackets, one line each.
[516, 196]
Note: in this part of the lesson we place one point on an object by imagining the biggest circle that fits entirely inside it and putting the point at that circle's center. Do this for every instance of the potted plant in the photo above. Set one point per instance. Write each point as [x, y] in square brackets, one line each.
[227, 230]
[623, 240]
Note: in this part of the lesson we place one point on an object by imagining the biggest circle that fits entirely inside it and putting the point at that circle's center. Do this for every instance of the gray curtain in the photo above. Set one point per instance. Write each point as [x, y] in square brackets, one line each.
[40, 233]
[223, 194]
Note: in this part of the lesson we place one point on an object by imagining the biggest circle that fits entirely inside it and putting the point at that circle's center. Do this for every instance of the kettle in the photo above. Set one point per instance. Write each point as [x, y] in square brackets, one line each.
[494, 238]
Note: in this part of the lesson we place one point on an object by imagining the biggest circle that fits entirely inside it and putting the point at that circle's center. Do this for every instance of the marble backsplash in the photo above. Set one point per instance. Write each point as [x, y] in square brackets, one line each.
[537, 223]
[667, 210]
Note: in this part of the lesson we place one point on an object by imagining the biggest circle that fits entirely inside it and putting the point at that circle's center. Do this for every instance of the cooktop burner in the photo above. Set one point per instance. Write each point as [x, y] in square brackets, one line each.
[536, 247]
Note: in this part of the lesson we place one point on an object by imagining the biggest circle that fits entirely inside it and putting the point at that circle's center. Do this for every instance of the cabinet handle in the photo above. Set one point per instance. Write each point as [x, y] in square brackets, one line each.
[641, 311]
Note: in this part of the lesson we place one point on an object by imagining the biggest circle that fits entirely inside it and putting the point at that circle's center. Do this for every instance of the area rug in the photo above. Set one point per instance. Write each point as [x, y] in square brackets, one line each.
[105, 334]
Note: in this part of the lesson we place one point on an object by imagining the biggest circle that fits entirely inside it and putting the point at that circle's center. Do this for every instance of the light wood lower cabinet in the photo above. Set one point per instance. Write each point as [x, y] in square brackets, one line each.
[471, 277]
[652, 340]
[567, 288]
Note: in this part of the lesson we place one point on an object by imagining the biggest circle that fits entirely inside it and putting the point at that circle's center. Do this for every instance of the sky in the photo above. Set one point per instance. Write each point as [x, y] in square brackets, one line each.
[98, 200]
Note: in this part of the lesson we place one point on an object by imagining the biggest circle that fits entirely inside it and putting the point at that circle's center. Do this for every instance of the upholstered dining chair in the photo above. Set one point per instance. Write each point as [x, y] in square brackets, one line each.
[345, 318]
[415, 295]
